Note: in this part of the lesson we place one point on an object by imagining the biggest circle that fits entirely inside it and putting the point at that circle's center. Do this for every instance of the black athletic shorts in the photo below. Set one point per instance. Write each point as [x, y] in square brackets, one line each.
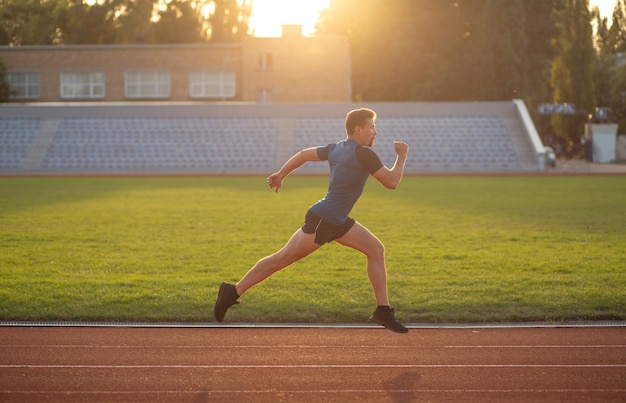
[325, 232]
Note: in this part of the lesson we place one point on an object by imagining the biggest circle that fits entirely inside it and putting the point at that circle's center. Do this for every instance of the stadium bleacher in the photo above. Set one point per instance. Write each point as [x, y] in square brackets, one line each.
[16, 137]
[440, 143]
[162, 144]
[223, 139]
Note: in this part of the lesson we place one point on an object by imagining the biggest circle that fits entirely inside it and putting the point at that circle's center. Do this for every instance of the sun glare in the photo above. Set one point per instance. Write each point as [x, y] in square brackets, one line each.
[268, 16]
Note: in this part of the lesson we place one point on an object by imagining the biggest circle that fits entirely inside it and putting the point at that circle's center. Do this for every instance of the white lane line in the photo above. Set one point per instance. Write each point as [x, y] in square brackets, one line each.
[324, 391]
[265, 346]
[314, 326]
[316, 366]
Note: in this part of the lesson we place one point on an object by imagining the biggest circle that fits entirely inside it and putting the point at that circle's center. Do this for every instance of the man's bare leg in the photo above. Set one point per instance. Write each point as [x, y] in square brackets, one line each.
[298, 246]
[361, 239]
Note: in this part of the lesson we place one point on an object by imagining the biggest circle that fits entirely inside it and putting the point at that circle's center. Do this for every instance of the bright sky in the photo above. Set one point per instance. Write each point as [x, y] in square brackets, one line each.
[269, 15]
[606, 7]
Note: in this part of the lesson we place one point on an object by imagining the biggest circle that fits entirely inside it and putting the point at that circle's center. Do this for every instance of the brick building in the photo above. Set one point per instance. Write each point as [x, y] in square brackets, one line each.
[292, 68]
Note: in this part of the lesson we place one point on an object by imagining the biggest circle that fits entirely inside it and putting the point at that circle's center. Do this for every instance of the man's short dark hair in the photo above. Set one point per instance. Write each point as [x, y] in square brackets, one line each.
[358, 117]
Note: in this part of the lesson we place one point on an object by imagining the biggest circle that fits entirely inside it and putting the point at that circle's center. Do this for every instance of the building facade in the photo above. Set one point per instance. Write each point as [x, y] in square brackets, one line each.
[292, 68]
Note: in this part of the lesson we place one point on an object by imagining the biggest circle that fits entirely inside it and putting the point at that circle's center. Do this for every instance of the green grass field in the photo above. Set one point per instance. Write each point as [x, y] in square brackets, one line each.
[459, 249]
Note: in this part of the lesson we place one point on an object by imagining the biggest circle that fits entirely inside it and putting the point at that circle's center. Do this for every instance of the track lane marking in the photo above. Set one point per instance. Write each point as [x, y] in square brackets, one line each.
[272, 391]
[292, 366]
[577, 346]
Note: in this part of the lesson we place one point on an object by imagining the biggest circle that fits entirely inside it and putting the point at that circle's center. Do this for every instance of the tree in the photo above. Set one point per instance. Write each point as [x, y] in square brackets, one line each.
[602, 30]
[179, 22]
[80, 23]
[48, 22]
[5, 91]
[229, 20]
[30, 22]
[134, 21]
[617, 43]
[399, 53]
[618, 97]
[494, 49]
[540, 29]
[616, 38]
[605, 61]
[412, 50]
[572, 68]
[610, 73]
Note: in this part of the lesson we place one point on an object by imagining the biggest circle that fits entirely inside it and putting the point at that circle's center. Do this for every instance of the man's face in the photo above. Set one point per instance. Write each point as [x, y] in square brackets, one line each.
[366, 134]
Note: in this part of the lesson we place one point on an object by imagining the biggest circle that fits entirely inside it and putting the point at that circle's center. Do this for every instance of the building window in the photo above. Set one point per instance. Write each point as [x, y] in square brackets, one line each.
[264, 95]
[23, 85]
[147, 84]
[207, 84]
[265, 62]
[82, 85]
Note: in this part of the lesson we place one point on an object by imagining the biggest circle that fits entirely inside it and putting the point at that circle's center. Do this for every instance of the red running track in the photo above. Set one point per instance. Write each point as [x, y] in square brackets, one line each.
[311, 364]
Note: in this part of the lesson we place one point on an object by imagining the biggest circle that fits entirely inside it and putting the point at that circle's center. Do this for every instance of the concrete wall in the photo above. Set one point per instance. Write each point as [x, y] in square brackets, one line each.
[226, 109]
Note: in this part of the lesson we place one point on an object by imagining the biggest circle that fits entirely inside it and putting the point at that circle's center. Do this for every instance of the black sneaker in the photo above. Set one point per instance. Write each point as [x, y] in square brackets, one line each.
[226, 297]
[387, 317]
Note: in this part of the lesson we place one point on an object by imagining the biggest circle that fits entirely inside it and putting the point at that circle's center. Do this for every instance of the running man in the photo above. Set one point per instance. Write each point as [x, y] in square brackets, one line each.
[351, 162]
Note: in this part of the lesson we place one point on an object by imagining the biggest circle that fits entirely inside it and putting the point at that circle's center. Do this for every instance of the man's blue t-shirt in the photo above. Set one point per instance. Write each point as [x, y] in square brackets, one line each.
[350, 166]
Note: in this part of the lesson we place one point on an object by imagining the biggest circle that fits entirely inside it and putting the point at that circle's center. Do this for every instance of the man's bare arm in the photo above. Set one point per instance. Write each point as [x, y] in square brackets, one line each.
[390, 178]
[275, 180]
